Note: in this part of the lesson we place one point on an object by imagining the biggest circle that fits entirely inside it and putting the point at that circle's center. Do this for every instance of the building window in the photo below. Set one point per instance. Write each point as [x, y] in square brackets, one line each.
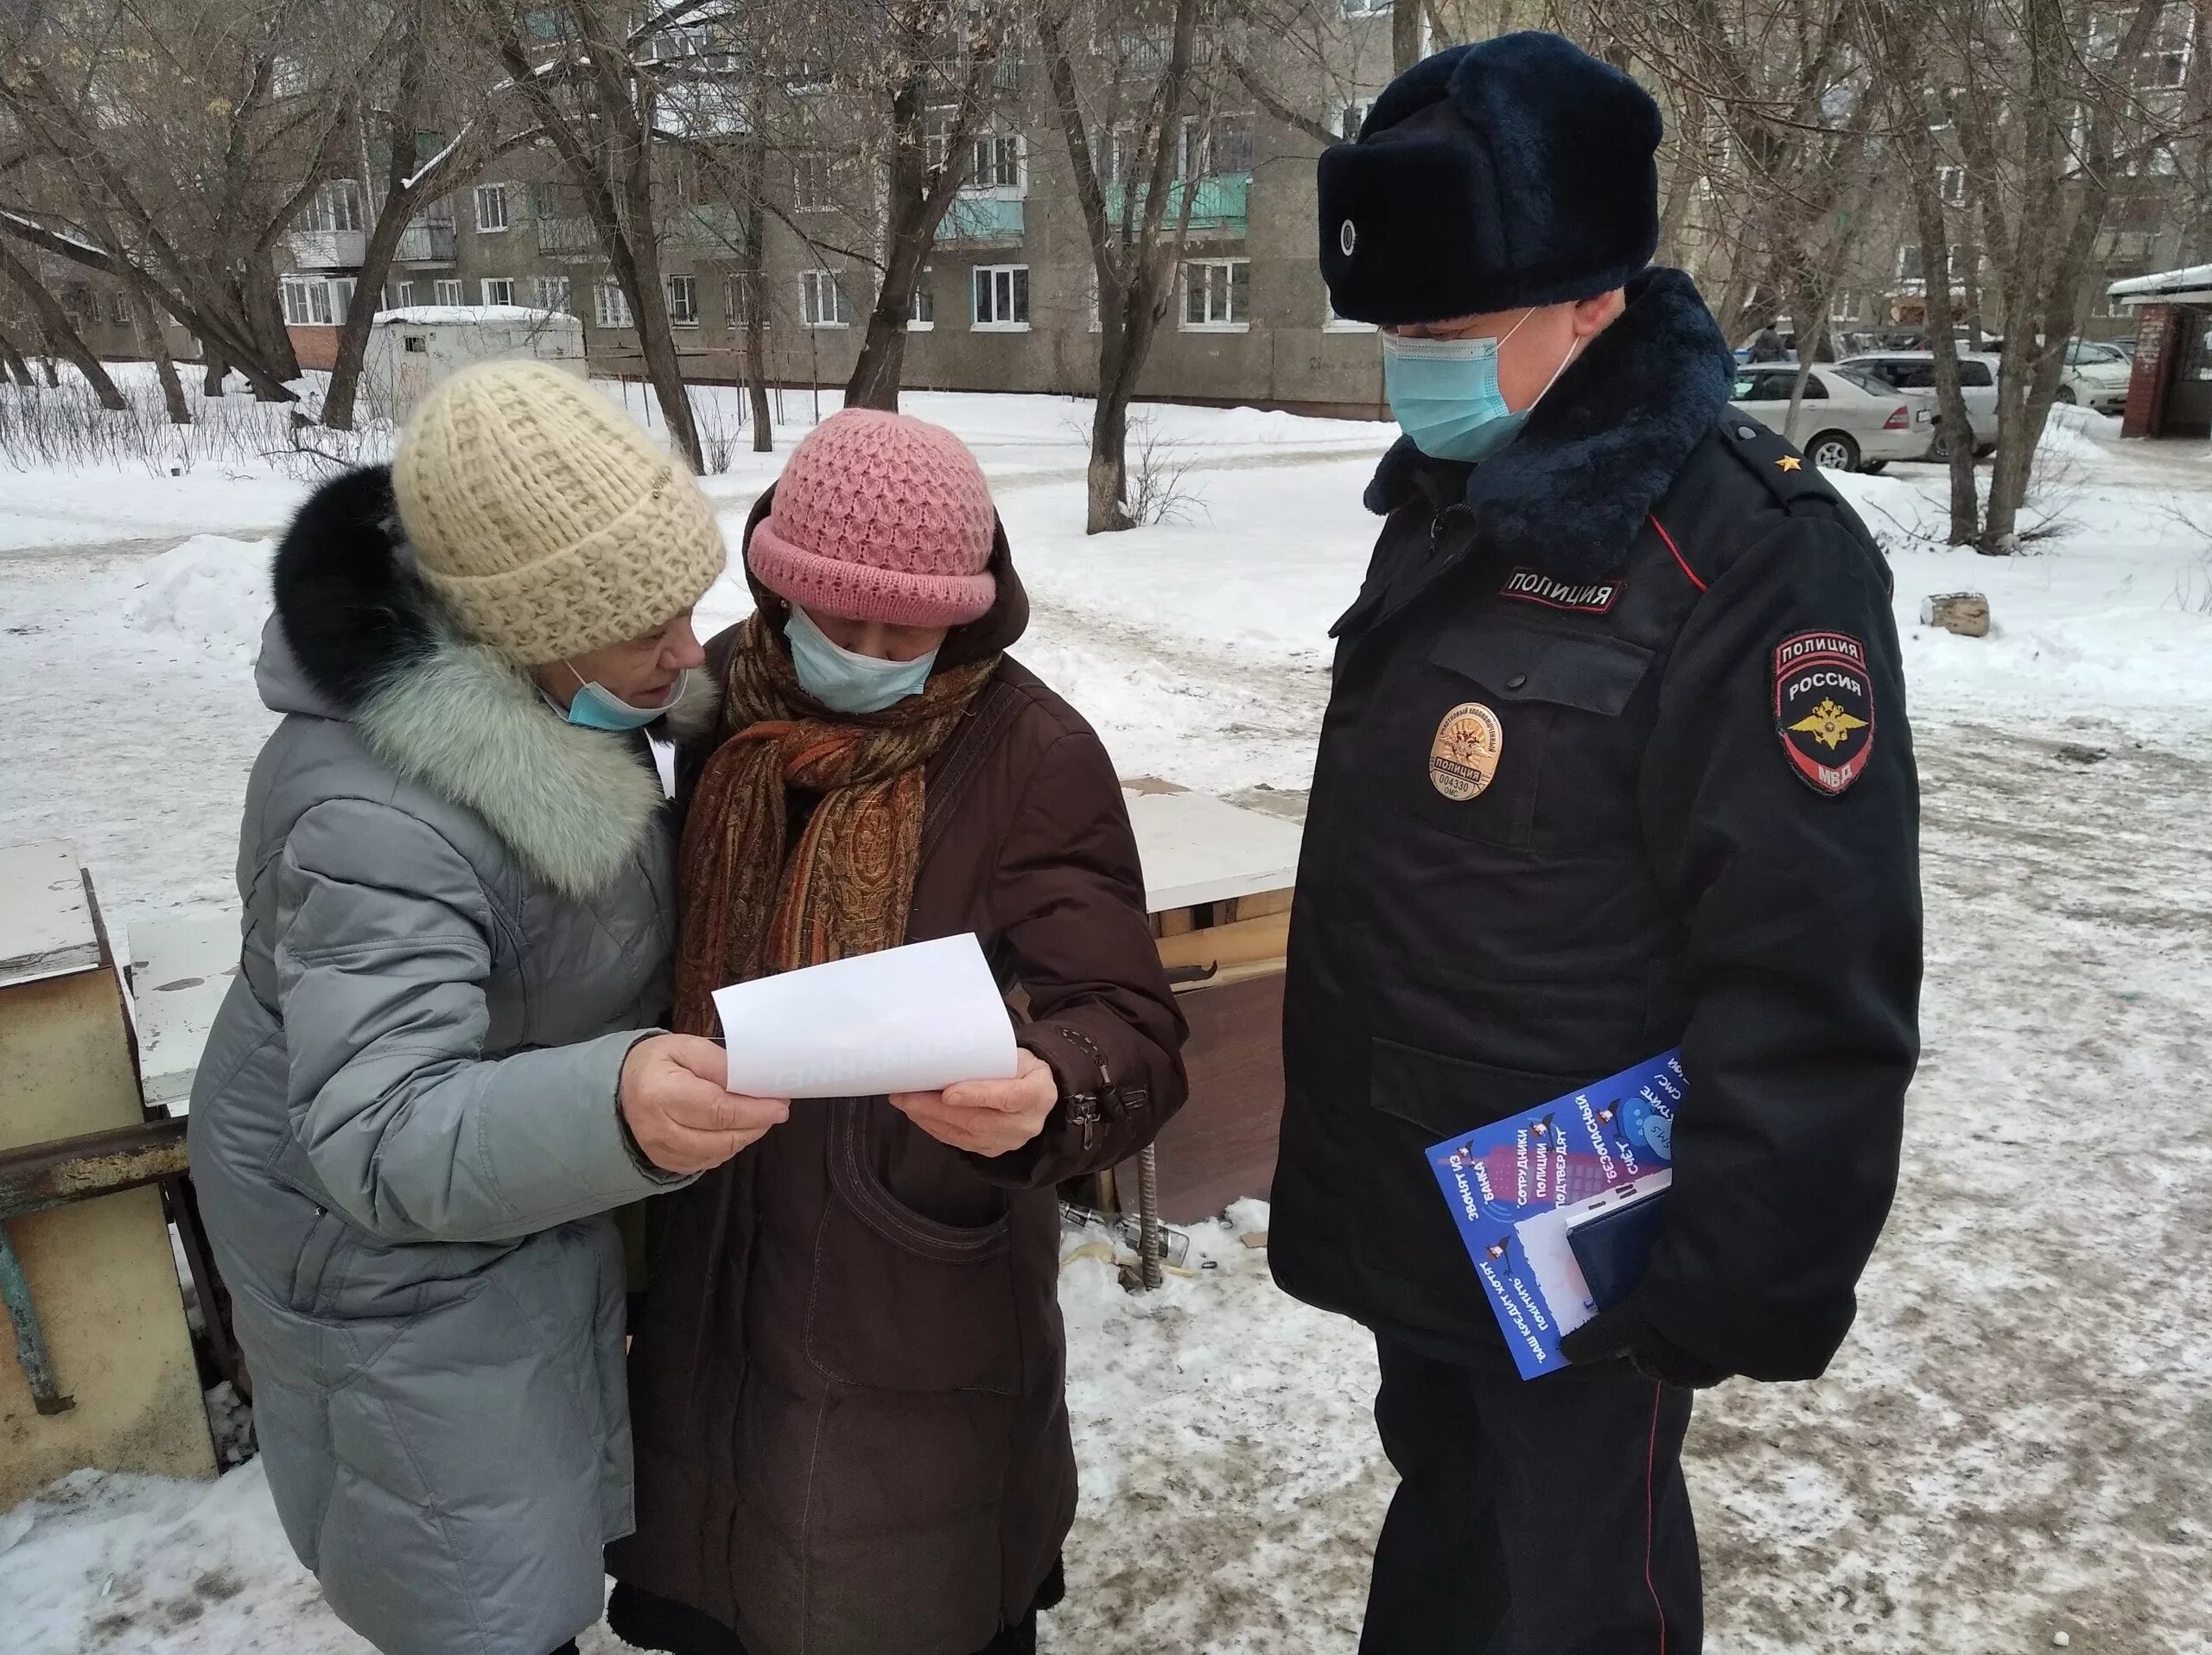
[498, 289]
[1001, 164]
[308, 302]
[734, 288]
[403, 295]
[1367, 7]
[1333, 323]
[1909, 268]
[416, 344]
[551, 293]
[922, 317]
[612, 305]
[1353, 115]
[1224, 148]
[1002, 298]
[684, 301]
[491, 208]
[336, 205]
[118, 308]
[822, 301]
[1952, 182]
[1217, 295]
[812, 189]
[448, 290]
[936, 136]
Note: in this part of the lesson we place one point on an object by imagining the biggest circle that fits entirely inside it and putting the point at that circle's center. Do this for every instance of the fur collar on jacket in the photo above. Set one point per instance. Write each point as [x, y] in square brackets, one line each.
[455, 715]
[1568, 496]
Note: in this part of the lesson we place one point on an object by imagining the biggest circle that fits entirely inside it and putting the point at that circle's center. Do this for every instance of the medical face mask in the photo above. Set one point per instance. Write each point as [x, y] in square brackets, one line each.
[846, 683]
[596, 707]
[1445, 393]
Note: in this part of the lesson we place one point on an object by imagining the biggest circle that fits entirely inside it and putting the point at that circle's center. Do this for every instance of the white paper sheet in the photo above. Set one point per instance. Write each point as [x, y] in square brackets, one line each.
[912, 1019]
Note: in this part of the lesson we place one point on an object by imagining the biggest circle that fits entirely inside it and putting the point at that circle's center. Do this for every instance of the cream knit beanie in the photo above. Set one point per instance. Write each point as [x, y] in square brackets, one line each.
[545, 518]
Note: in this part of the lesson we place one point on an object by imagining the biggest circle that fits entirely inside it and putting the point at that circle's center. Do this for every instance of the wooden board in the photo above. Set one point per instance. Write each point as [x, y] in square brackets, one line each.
[1220, 1147]
[1197, 849]
[47, 928]
[180, 969]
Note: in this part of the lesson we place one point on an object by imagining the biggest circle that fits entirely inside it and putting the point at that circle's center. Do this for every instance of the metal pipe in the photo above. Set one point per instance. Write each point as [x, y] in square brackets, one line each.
[40, 1176]
[30, 1338]
[1149, 1274]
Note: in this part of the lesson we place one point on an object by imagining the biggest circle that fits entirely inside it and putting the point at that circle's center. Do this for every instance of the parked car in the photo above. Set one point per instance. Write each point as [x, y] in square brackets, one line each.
[1915, 372]
[1846, 422]
[2096, 376]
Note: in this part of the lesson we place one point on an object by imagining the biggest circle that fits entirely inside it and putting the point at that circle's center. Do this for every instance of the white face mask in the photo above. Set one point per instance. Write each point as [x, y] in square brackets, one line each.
[596, 707]
[846, 683]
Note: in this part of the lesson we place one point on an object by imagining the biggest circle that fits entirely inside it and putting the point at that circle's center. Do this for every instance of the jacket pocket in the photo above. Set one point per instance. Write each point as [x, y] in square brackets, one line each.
[1549, 706]
[903, 1301]
[311, 1271]
[1445, 1096]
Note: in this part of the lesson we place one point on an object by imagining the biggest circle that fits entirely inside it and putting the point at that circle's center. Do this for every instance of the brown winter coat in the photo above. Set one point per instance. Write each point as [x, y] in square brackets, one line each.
[847, 1385]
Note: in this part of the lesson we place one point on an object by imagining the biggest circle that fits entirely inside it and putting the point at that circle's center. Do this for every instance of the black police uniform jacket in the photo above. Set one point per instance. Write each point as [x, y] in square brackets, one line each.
[1616, 760]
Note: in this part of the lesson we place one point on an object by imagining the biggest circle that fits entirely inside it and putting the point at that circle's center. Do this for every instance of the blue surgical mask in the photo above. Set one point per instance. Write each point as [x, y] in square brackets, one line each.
[1445, 394]
[596, 707]
[846, 683]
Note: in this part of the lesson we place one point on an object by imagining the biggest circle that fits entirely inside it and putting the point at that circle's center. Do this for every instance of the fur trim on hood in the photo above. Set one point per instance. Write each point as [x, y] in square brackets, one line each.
[451, 714]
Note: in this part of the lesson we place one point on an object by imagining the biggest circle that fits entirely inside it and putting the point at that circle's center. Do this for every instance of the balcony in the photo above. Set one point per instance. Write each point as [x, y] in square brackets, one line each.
[567, 238]
[329, 249]
[714, 228]
[426, 243]
[1221, 207]
[975, 219]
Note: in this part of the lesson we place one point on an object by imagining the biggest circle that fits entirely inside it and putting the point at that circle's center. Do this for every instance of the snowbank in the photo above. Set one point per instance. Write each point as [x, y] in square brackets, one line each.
[210, 592]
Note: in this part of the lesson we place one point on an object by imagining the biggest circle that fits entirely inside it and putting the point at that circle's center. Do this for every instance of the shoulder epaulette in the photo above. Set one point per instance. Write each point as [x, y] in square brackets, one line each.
[1781, 469]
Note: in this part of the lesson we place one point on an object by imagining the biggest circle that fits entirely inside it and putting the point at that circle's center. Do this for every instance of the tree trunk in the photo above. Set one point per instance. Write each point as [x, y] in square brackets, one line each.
[214, 369]
[264, 315]
[657, 340]
[13, 366]
[53, 373]
[147, 323]
[753, 163]
[353, 337]
[1405, 35]
[53, 322]
[1108, 473]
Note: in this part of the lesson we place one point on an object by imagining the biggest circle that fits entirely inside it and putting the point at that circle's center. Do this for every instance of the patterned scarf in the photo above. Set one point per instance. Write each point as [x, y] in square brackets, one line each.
[753, 906]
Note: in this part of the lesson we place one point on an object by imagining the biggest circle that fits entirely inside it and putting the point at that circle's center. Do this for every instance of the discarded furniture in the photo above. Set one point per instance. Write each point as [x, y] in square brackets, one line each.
[104, 1373]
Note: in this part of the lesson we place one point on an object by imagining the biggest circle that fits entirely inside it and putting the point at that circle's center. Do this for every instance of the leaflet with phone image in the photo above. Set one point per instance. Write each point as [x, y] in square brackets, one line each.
[1551, 1197]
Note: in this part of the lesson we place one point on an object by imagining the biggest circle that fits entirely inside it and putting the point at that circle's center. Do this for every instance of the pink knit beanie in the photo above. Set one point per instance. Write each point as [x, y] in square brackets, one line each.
[879, 517]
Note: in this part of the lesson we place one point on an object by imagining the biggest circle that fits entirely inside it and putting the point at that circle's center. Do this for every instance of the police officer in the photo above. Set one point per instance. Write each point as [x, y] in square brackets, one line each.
[1616, 761]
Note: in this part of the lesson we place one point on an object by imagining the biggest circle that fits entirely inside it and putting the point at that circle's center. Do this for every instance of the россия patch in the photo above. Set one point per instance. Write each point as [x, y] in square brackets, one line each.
[1824, 708]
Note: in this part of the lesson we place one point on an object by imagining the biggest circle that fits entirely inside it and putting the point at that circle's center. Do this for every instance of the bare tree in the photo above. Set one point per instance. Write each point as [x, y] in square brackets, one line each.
[54, 323]
[1138, 217]
[596, 94]
[927, 49]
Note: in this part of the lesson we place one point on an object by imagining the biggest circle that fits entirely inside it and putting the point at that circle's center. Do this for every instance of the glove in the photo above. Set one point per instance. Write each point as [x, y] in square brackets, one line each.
[1624, 1331]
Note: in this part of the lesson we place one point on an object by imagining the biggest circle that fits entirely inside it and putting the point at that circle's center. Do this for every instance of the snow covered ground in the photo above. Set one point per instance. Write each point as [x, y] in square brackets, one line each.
[2016, 1442]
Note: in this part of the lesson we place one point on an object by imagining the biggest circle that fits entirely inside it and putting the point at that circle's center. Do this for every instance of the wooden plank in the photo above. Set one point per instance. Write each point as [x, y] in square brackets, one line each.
[1221, 1146]
[1259, 905]
[1239, 943]
[1198, 849]
[46, 918]
[181, 970]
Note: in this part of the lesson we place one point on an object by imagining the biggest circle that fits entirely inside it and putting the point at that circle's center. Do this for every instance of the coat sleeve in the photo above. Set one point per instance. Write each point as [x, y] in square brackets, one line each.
[1801, 944]
[1069, 902]
[381, 973]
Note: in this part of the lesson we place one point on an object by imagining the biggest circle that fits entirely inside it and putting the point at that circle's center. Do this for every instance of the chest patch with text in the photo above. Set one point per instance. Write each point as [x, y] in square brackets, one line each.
[1824, 708]
[1586, 597]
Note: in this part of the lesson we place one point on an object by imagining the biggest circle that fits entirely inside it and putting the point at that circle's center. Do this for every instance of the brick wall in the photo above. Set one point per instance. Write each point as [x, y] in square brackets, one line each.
[316, 348]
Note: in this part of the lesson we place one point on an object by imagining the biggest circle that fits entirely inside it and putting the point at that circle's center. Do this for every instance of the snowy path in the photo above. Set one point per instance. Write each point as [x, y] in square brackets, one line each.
[2015, 1442]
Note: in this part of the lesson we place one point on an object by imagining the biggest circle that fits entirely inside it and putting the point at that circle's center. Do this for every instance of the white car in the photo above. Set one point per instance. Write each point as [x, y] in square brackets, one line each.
[1846, 422]
[1914, 372]
[2096, 376]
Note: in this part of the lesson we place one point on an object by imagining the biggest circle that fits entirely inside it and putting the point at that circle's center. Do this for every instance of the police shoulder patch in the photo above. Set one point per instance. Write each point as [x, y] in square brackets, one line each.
[1824, 708]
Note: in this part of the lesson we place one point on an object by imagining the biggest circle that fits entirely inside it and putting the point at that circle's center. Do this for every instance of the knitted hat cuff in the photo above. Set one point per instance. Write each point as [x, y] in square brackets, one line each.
[595, 592]
[863, 592]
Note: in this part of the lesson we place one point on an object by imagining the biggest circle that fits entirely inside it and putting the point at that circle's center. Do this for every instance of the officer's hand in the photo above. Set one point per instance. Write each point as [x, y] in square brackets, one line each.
[987, 1117]
[675, 1099]
[1622, 1332]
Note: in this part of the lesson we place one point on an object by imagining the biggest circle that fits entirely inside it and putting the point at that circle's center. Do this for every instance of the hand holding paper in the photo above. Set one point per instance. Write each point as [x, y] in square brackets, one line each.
[986, 1118]
[674, 1098]
[916, 1019]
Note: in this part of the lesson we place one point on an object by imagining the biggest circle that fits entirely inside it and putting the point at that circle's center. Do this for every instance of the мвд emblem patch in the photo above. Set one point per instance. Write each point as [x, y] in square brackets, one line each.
[1824, 708]
[1464, 757]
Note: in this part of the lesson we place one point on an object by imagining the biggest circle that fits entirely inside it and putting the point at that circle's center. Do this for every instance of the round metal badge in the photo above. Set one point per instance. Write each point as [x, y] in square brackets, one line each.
[1462, 760]
[1347, 238]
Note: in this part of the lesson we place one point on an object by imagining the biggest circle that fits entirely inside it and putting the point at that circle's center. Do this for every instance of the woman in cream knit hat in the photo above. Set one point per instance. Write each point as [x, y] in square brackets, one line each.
[438, 1069]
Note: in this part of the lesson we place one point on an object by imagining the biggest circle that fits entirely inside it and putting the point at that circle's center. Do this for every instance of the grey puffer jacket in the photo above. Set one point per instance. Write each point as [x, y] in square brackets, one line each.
[458, 911]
